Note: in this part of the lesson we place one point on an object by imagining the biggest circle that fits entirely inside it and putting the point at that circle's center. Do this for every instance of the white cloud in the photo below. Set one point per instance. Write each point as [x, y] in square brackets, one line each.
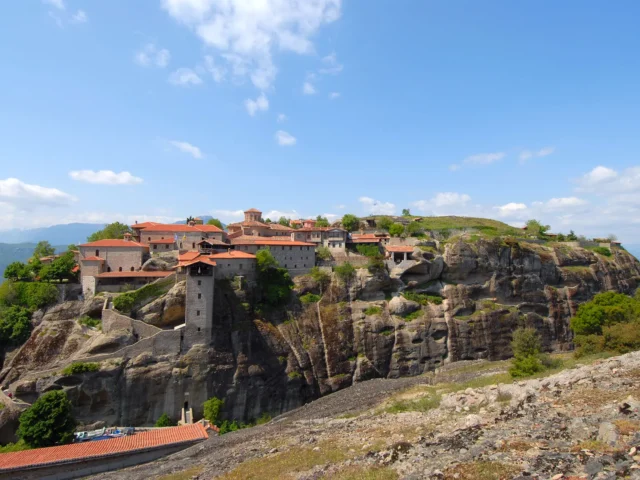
[454, 167]
[334, 95]
[597, 177]
[59, 4]
[259, 104]
[187, 148]
[250, 33]
[512, 209]
[484, 158]
[285, 139]
[275, 215]
[150, 55]
[217, 72]
[330, 65]
[184, 77]
[105, 177]
[528, 154]
[79, 17]
[375, 207]
[282, 117]
[341, 207]
[308, 88]
[229, 216]
[564, 203]
[443, 203]
[25, 196]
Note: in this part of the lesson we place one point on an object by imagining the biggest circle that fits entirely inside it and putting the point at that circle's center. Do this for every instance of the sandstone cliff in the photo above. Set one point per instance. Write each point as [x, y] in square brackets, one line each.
[275, 361]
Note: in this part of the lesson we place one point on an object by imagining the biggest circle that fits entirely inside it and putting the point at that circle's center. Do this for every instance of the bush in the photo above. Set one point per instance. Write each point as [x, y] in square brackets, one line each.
[31, 295]
[602, 251]
[384, 223]
[604, 309]
[124, 302]
[345, 272]
[323, 253]
[415, 229]
[375, 264]
[526, 366]
[310, 298]
[350, 222]
[212, 408]
[48, 421]
[165, 421]
[81, 367]
[320, 276]
[527, 359]
[422, 298]
[275, 283]
[588, 345]
[373, 311]
[368, 250]
[622, 337]
[90, 322]
[15, 325]
[396, 229]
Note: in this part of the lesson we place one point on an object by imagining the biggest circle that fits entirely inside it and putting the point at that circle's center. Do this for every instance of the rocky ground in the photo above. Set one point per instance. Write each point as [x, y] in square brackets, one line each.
[467, 422]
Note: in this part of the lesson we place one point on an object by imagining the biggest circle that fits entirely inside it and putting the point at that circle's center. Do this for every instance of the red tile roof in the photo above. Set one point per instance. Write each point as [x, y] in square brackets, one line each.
[139, 274]
[144, 224]
[92, 259]
[233, 254]
[399, 248]
[186, 256]
[365, 240]
[113, 242]
[78, 452]
[200, 259]
[163, 241]
[369, 235]
[180, 228]
[250, 223]
[277, 226]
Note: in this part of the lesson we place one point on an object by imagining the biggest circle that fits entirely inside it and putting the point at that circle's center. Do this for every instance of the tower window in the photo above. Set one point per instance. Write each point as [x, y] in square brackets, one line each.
[119, 269]
[97, 253]
[132, 269]
[198, 328]
[199, 282]
[199, 296]
[197, 313]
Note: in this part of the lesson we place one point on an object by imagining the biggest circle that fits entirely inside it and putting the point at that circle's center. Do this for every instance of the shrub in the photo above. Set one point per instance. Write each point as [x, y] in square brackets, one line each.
[81, 367]
[294, 375]
[604, 309]
[310, 298]
[350, 222]
[90, 322]
[396, 229]
[48, 421]
[588, 344]
[31, 295]
[264, 418]
[15, 325]
[622, 337]
[275, 283]
[212, 408]
[384, 223]
[124, 302]
[414, 229]
[526, 366]
[375, 264]
[345, 272]
[165, 421]
[602, 251]
[373, 311]
[422, 298]
[323, 253]
[320, 276]
[368, 250]
[526, 352]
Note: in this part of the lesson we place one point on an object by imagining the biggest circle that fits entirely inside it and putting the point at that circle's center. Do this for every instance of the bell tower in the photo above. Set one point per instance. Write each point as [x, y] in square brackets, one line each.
[199, 303]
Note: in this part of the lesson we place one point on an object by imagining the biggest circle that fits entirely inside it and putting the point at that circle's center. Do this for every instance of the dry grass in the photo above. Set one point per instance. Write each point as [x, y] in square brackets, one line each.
[286, 465]
[364, 473]
[593, 446]
[518, 445]
[627, 427]
[481, 471]
[183, 475]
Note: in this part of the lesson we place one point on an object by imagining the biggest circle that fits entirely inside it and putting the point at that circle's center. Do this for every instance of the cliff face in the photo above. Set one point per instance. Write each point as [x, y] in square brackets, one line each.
[283, 359]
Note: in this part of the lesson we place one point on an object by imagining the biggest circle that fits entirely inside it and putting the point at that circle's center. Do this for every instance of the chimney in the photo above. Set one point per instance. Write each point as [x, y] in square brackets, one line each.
[127, 237]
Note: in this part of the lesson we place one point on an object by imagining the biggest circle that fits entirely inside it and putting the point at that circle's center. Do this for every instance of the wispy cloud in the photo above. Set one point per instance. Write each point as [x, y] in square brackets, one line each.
[282, 118]
[79, 17]
[512, 209]
[59, 4]
[308, 88]
[484, 158]
[184, 77]
[217, 72]
[334, 95]
[151, 55]
[105, 177]
[260, 104]
[529, 154]
[285, 139]
[443, 203]
[331, 65]
[376, 207]
[186, 147]
[25, 196]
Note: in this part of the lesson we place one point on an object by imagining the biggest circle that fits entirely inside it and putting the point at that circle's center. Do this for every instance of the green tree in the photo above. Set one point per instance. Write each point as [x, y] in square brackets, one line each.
[414, 229]
[268, 220]
[561, 237]
[43, 249]
[275, 283]
[15, 325]
[322, 221]
[320, 276]
[345, 272]
[215, 222]
[384, 223]
[17, 271]
[283, 221]
[323, 253]
[534, 227]
[396, 229]
[572, 236]
[406, 212]
[212, 408]
[60, 269]
[48, 421]
[350, 222]
[165, 421]
[113, 230]
[526, 353]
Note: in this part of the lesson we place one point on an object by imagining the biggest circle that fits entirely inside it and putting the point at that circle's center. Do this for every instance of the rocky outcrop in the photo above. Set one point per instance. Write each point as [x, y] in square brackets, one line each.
[361, 329]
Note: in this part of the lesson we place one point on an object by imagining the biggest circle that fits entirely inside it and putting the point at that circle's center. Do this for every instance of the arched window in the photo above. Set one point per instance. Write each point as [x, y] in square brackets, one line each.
[97, 253]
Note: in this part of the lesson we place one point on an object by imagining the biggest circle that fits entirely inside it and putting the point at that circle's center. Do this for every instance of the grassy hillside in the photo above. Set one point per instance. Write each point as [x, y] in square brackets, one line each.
[484, 225]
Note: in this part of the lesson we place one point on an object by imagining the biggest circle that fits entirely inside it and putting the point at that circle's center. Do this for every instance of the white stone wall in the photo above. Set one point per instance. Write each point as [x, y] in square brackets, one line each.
[232, 267]
[116, 258]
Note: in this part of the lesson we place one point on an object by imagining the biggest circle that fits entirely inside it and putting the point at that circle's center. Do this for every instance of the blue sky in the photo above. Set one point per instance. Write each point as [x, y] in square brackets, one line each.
[165, 108]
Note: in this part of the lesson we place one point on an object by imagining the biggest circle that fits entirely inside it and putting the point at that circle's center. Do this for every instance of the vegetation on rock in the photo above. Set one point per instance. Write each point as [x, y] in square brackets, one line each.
[212, 408]
[345, 272]
[81, 367]
[322, 221]
[15, 325]
[310, 298]
[48, 421]
[274, 283]
[396, 229]
[323, 253]
[165, 421]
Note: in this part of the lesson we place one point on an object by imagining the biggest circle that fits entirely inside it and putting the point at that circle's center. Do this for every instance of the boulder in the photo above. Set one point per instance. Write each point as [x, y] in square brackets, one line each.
[401, 306]
[167, 310]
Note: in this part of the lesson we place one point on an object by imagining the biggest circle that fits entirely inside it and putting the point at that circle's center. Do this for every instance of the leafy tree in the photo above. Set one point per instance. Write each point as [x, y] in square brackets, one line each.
[71, 247]
[320, 276]
[345, 272]
[323, 253]
[48, 421]
[368, 250]
[17, 271]
[384, 223]
[43, 249]
[212, 408]
[561, 237]
[31, 295]
[322, 221]
[215, 222]
[350, 222]
[60, 269]
[414, 229]
[283, 221]
[165, 421]
[534, 227]
[612, 237]
[15, 325]
[275, 283]
[406, 212]
[375, 264]
[113, 230]
[526, 352]
[572, 237]
[396, 229]
[268, 220]
[605, 309]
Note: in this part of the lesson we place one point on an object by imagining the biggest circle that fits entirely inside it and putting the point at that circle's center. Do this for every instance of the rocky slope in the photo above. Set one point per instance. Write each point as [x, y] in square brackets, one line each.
[273, 362]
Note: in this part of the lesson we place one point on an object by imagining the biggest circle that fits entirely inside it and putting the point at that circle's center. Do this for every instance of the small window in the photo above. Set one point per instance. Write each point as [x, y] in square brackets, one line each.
[285, 265]
[199, 282]
[108, 269]
[155, 247]
[97, 253]
[120, 269]
[240, 266]
[283, 248]
[193, 245]
[199, 296]
[198, 328]
[305, 265]
[290, 248]
[132, 269]
[198, 314]
[295, 266]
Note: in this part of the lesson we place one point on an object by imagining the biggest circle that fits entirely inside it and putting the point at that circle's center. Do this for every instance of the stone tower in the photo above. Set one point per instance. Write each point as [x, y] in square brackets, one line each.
[199, 303]
[253, 215]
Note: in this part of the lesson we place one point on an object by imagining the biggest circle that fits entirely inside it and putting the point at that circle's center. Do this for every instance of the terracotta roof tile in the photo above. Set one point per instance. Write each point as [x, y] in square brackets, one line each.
[232, 254]
[113, 242]
[138, 274]
[77, 452]
[277, 226]
[365, 240]
[200, 259]
[399, 248]
[186, 256]
[163, 241]
[250, 223]
[92, 259]
[144, 224]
